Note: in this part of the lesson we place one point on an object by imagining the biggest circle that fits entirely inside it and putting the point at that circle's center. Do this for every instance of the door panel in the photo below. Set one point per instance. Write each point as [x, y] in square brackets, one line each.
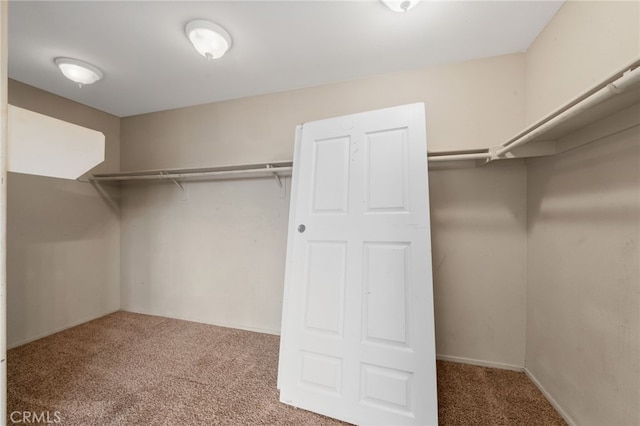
[321, 373]
[386, 389]
[387, 171]
[330, 176]
[385, 293]
[326, 276]
[357, 338]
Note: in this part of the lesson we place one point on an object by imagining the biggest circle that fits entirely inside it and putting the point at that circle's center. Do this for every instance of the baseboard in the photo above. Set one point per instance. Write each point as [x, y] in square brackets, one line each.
[567, 418]
[56, 330]
[216, 323]
[479, 362]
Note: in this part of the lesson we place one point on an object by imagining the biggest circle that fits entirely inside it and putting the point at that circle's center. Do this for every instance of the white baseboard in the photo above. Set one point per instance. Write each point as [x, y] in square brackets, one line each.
[200, 321]
[567, 418]
[82, 321]
[56, 330]
[479, 362]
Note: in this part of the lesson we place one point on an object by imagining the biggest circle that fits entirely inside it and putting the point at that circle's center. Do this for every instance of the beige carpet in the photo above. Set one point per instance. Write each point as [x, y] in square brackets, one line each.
[131, 369]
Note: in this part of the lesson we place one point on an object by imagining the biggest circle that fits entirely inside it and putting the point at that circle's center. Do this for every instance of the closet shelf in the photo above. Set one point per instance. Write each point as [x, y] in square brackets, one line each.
[547, 136]
[275, 169]
[551, 134]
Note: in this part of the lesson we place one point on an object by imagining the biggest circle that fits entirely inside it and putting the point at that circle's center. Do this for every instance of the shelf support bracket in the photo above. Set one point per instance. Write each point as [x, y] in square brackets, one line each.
[494, 154]
[283, 187]
[176, 183]
[275, 175]
[104, 194]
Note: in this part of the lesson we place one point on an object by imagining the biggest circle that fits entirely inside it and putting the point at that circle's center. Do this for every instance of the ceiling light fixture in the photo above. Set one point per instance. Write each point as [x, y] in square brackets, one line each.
[78, 71]
[400, 5]
[209, 39]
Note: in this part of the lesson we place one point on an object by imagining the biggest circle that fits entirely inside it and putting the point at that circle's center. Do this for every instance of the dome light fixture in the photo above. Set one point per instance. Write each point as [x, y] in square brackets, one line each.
[400, 5]
[78, 71]
[209, 39]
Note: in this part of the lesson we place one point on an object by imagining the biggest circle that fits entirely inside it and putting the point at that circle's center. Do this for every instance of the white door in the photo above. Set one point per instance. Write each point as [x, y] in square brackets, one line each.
[358, 331]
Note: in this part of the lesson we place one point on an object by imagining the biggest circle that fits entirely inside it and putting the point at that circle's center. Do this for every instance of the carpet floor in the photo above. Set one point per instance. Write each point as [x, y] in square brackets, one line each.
[131, 369]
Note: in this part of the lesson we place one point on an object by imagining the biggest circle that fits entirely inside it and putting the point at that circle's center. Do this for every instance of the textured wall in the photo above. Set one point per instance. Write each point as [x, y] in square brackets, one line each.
[478, 223]
[471, 105]
[63, 239]
[583, 280]
[583, 225]
[585, 42]
[219, 255]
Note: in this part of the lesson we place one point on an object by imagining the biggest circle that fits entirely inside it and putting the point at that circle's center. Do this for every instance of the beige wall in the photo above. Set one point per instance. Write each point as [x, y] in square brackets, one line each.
[4, 44]
[583, 226]
[478, 225]
[213, 254]
[63, 239]
[583, 279]
[471, 105]
[219, 255]
[538, 260]
[584, 43]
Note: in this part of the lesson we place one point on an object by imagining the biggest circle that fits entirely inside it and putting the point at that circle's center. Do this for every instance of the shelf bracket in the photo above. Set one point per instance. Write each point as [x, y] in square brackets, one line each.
[275, 175]
[283, 187]
[104, 194]
[176, 183]
[494, 154]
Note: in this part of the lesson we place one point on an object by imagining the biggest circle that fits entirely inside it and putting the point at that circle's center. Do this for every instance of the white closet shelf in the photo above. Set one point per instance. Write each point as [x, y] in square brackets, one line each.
[547, 136]
[552, 134]
[273, 169]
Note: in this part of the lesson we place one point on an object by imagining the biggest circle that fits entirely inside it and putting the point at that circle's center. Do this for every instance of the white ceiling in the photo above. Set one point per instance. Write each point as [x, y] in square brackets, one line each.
[149, 64]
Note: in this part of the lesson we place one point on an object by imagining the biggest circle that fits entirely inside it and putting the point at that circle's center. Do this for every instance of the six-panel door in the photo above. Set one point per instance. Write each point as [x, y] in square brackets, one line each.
[358, 331]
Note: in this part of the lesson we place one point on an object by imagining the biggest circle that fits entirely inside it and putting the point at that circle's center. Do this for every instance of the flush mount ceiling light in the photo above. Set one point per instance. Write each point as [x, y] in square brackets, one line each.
[400, 5]
[209, 39]
[78, 71]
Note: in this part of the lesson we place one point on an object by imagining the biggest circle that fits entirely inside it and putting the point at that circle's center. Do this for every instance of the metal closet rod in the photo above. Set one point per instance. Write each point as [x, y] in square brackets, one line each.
[480, 154]
[617, 83]
[601, 92]
[273, 169]
[266, 170]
